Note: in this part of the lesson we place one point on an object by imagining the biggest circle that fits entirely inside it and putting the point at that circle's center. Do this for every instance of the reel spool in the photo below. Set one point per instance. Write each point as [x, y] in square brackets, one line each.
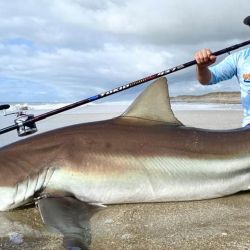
[27, 129]
[21, 117]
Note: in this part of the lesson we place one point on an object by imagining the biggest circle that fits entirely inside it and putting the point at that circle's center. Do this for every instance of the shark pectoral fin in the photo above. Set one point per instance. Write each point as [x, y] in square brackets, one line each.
[70, 217]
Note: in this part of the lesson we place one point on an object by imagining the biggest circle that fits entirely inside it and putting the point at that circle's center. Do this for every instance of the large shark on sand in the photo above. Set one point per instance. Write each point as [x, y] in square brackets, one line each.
[145, 155]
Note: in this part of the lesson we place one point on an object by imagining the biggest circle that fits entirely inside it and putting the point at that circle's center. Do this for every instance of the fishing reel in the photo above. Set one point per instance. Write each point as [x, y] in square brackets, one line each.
[23, 126]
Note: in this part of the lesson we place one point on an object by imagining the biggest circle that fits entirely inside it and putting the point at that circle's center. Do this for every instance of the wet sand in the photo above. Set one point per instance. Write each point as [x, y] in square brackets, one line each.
[210, 224]
[209, 119]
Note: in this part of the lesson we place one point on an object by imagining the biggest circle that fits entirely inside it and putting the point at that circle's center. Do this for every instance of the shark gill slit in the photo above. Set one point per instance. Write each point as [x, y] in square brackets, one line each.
[38, 182]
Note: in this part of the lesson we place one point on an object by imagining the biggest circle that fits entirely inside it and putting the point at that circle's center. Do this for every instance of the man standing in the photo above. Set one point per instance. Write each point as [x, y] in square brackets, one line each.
[236, 64]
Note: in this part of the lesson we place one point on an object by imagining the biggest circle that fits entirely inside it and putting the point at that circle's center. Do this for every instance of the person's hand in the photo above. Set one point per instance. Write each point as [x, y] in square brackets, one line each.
[204, 58]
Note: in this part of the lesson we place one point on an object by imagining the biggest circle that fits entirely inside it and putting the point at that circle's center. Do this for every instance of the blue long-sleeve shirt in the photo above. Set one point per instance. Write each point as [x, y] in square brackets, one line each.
[236, 64]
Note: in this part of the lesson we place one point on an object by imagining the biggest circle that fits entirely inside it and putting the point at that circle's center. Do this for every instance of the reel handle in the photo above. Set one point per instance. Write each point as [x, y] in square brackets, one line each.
[4, 106]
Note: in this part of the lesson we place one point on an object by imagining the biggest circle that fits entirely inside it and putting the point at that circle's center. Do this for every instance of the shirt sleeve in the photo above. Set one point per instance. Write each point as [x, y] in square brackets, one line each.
[224, 70]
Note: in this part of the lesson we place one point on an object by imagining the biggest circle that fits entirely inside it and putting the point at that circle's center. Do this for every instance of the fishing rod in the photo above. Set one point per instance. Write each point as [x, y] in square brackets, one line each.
[26, 124]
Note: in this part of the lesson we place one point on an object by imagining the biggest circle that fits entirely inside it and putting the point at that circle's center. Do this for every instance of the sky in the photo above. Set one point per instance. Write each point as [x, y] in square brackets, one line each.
[68, 50]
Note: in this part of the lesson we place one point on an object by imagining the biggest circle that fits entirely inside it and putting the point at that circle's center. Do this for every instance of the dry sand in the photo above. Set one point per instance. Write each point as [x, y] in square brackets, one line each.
[210, 224]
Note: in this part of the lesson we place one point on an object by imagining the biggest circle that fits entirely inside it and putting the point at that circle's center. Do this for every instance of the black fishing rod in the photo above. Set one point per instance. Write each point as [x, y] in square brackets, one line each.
[25, 124]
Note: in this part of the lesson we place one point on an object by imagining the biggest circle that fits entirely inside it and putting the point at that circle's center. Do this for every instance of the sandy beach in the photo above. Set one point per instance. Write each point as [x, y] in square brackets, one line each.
[94, 58]
[210, 224]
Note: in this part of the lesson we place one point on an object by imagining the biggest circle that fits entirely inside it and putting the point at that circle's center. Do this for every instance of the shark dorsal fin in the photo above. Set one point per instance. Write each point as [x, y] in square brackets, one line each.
[153, 104]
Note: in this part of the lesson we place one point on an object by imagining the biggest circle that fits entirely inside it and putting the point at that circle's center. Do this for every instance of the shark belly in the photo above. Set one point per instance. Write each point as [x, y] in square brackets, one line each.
[155, 179]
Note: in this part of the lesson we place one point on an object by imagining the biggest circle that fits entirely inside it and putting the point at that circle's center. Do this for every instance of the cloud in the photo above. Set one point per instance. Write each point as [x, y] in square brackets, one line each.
[65, 50]
[166, 22]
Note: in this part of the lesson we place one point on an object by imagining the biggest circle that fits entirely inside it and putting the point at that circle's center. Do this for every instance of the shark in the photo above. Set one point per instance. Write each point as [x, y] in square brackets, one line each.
[144, 155]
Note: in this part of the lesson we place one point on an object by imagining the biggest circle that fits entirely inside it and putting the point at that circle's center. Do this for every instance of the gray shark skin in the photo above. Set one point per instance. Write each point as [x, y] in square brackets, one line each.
[145, 155]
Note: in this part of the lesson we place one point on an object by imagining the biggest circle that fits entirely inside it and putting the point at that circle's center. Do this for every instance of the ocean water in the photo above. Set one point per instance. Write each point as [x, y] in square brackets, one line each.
[86, 113]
